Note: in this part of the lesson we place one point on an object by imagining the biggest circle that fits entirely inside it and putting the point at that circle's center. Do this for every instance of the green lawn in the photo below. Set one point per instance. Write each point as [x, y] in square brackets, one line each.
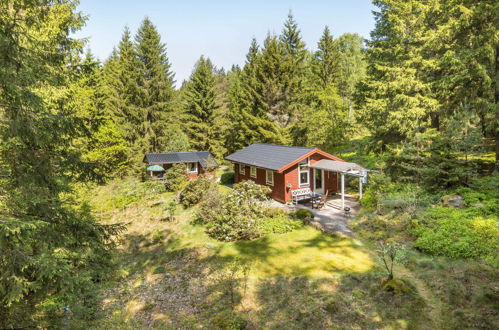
[173, 275]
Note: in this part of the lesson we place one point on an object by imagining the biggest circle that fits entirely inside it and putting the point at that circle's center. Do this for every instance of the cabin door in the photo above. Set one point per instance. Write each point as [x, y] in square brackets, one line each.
[319, 181]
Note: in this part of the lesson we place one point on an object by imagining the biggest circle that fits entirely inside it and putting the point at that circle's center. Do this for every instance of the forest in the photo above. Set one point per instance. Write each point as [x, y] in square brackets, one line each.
[416, 101]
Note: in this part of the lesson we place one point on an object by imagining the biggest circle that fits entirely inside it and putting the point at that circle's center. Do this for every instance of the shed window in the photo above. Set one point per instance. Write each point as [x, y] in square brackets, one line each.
[241, 169]
[270, 177]
[253, 171]
[304, 173]
[192, 167]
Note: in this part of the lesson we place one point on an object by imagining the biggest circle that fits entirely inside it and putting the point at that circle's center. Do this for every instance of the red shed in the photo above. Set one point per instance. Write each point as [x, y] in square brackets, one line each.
[284, 169]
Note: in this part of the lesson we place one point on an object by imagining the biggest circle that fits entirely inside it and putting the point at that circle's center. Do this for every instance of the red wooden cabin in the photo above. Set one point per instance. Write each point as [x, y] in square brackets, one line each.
[284, 169]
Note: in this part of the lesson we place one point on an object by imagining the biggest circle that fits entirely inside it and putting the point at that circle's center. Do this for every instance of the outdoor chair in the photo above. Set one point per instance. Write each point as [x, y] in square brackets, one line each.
[319, 203]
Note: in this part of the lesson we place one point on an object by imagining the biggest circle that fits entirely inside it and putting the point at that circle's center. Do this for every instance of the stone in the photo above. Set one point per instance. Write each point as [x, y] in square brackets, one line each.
[453, 201]
[209, 245]
[478, 205]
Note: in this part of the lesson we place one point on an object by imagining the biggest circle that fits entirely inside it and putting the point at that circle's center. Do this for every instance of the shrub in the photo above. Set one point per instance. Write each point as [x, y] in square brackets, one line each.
[227, 178]
[175, 177]
[237, 215]
[170, 208]
[302, 214]
[278, 225]
[234, 227]
[454, 233]
[210, 206]
[195, 190]
[379, 184]
[273, 212]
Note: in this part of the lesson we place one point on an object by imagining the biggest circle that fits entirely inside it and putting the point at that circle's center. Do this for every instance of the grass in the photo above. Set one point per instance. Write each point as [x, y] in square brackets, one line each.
[173, 275]
[302, 252]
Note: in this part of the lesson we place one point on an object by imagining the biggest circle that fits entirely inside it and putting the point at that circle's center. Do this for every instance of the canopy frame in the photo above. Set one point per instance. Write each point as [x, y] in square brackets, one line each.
[344, 169]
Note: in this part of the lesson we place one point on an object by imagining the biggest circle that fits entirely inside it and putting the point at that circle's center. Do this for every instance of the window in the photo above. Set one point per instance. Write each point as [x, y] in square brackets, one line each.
[241, 169]
[304, 173]
[192, 167]
[253, 172]
[270, 177]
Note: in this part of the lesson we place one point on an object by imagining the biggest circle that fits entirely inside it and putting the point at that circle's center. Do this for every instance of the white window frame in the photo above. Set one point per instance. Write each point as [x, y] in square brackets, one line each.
[242, 169]
[253, 172]
[300, 171]
[271, 182]
[195, 171]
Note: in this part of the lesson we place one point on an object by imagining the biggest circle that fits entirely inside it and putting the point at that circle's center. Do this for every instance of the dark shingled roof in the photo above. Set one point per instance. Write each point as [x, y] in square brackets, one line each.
[268, 156]
[180, 157]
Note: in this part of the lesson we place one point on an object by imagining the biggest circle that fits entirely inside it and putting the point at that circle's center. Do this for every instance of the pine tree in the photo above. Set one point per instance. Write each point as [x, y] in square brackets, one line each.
[156, 90]
[202, 110]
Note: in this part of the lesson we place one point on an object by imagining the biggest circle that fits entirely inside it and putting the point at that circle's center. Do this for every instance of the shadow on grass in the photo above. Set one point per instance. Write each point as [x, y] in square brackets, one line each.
[352, 301]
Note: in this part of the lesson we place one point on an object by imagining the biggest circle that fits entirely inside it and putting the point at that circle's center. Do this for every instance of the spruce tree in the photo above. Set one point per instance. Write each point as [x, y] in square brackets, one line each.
[203, 110]
[249, 109]
[128, 112]
[395, 102]
[156, 90]
[293, 69]
[52, 250]
[325, 64]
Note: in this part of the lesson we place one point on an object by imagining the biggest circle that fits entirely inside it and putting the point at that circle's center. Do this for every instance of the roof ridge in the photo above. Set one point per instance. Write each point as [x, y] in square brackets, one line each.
[280, 145]
[175, 152]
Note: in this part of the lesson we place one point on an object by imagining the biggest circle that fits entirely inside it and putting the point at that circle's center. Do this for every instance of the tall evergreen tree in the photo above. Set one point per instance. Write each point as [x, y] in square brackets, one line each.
[156, 90]
[52, 251]
[128, 96]
[396, 101]
[325, 65]
[249, 105]
[203, 111]
[294, 68]
[462, 57]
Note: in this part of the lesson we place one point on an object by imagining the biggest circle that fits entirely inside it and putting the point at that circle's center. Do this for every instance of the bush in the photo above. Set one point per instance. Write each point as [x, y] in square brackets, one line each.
[210, 206]
[237, 215]
[170, 209]
[302, 214]
[230, 319]
[278, 225]
[195, 190]
[456, 234]
[175, 177]
[227, 178]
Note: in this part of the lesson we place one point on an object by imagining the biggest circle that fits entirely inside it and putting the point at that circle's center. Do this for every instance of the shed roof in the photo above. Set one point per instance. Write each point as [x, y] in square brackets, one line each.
[200, 157]
[337, 166]
[268, 156]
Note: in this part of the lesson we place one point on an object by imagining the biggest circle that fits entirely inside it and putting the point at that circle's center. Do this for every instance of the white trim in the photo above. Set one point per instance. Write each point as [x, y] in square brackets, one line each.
[242, 169]
[321, 190]
[305, 161]
[270, 183]
[195, 171]
[253, 175]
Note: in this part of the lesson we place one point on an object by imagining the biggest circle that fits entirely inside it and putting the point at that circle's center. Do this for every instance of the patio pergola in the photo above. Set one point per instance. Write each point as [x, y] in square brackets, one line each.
[344, 168]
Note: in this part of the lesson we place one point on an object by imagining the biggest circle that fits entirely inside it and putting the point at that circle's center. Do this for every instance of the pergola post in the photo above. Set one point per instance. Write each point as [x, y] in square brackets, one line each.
[360, 187]
[342, 190]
